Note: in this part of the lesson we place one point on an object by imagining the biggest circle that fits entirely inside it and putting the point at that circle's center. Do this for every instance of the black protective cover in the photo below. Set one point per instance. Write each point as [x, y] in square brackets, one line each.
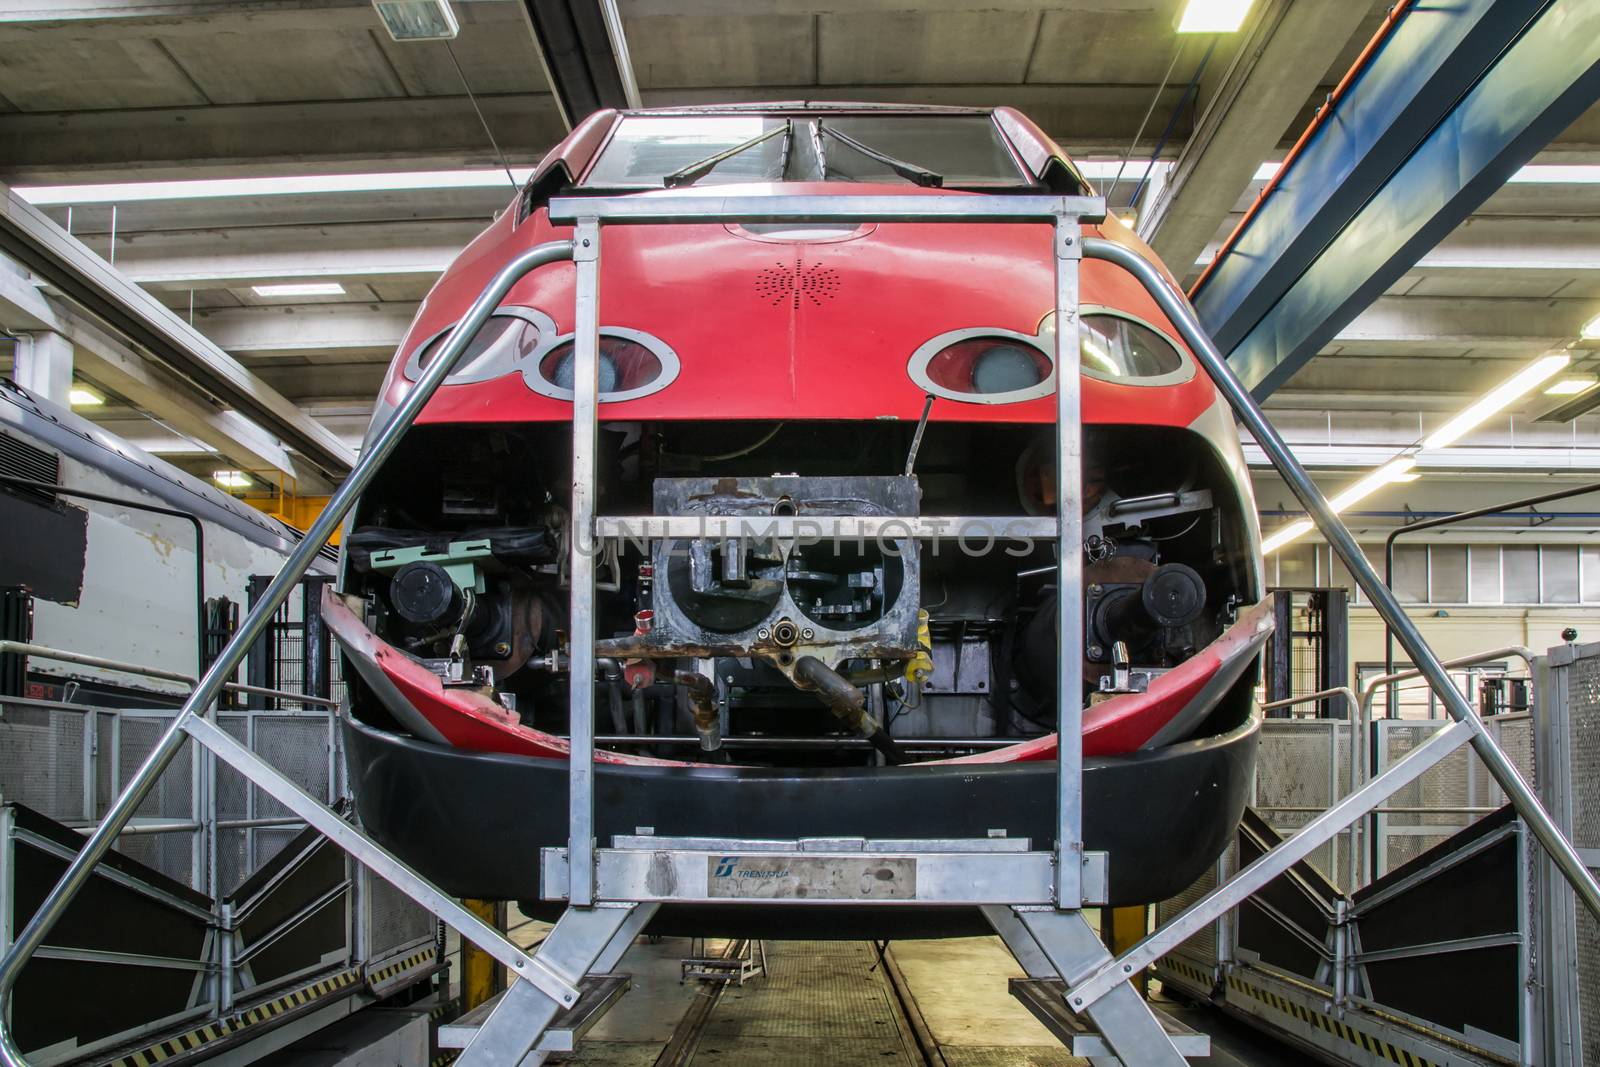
[43, 547]
[1290, 914]
[1474, 897]
[59, 999]
[474, 822]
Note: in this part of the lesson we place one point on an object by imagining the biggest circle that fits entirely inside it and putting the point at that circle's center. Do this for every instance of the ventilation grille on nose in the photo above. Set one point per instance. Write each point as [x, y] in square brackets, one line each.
[794, 282]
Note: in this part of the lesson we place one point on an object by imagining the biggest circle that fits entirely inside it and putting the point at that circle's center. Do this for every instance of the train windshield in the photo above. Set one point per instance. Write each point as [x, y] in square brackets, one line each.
[646, 150]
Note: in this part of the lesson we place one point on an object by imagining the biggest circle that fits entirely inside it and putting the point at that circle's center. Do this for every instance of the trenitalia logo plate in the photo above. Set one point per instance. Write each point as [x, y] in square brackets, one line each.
[804, 877]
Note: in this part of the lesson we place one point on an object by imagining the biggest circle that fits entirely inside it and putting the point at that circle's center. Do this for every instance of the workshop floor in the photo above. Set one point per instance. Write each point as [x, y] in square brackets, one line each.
[832, 1003]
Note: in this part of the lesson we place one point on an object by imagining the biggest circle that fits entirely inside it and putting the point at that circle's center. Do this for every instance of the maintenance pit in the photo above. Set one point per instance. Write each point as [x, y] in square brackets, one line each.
[918, 532]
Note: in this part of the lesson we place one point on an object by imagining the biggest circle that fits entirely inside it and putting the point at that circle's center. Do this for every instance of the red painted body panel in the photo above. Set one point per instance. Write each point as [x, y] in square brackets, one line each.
[769, 329]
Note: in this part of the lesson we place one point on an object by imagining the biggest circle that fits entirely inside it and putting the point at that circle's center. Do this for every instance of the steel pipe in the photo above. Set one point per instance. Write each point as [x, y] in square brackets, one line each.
[1521, 794]
[86, 660]
[382, 445]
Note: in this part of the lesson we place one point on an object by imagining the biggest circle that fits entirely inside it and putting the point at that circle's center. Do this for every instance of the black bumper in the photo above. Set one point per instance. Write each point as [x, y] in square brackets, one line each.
[474, 822]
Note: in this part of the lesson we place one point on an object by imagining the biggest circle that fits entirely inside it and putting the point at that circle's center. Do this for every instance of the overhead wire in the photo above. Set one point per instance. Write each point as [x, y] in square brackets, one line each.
[499, 155]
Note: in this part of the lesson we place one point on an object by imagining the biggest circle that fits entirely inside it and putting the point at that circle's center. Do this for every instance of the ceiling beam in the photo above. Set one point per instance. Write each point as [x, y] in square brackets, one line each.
[441, 132]
[127, 310]
[227, 257]
[255, 140]
[110, 363]
[1527, 326]
[22, 20]
[584, 52]
[1455, 101]
[333, 331]
[1274, 71]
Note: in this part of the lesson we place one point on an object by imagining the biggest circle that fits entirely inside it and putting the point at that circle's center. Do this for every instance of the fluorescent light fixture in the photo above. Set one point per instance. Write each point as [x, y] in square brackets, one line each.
[299, 289]
[1396, 470]
[1213, 16]
[1497, 399]
[81, 396]
[1557, 174]
[418, 20]
[232, 479]
[296, 185]
[1292, 532]
[1571, 387]
[1591, 329]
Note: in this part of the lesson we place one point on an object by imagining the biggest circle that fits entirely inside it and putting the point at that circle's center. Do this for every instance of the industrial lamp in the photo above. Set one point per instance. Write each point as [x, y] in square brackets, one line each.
[1213, 16]
[418, 20]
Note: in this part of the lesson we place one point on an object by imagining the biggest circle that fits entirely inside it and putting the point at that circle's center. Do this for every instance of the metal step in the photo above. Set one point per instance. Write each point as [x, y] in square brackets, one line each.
[598, 993]
[1046, 998]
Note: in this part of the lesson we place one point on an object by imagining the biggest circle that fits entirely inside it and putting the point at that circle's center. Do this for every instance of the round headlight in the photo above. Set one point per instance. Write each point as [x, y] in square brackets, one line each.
[989, 367]
[625, 365]
[1004, 368]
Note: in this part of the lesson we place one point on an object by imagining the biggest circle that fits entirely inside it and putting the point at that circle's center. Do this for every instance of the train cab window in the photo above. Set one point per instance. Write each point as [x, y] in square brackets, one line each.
[958, 150]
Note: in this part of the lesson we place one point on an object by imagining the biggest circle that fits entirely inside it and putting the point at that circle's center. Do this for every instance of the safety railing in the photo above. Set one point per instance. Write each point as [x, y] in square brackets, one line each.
[190, 720]
[1049, 942]
[1467, 728]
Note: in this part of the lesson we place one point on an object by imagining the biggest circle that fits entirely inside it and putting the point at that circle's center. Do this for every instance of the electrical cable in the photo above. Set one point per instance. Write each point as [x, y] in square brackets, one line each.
[1156, 99]
[501, 156]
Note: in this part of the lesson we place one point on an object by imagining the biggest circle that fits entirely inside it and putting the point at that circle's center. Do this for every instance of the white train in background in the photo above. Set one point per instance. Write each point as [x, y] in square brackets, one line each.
[113, 580]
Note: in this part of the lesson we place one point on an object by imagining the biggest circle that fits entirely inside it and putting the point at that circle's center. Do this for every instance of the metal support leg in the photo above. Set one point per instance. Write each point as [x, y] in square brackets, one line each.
[1068, 243]
[583, 941]
[189, 718]
[1069, 948]
[585, 402]
[1028, 953]
[1520, 793]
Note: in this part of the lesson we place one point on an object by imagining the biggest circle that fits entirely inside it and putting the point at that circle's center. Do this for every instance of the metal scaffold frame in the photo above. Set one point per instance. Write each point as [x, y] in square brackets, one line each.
[1032, 897]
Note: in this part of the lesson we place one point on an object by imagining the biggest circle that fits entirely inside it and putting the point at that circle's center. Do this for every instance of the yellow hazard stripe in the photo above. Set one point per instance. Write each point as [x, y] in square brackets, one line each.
[1201, 977]
[1369, 1043]
[204, 1035]
[398, 967]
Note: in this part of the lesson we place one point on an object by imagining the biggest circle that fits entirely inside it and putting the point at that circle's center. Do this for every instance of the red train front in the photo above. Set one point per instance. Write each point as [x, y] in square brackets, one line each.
[761, 687]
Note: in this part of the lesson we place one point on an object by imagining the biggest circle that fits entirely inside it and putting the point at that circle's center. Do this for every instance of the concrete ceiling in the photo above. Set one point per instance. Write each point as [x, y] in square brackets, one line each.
[144, 90]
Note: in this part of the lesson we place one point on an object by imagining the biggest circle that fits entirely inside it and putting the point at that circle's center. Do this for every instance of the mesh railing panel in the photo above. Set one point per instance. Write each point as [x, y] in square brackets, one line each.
[1305, 763]
[1583, 741]
[394, 919]
[1202, 945]
[42, 759]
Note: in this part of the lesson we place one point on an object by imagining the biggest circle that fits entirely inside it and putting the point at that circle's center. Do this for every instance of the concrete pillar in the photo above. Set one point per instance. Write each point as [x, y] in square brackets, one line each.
[44, 366]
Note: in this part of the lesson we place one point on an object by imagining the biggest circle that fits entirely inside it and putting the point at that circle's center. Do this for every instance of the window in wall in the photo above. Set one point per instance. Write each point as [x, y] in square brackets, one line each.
[1410, 573]
[1447, 574]
[1590, 558]
[1485, 574]
[1520, 573]
[1559, 574]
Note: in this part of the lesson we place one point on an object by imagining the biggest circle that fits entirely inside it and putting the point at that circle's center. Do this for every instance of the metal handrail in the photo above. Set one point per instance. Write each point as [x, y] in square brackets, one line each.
[1368, 764]
[190, 720]
[1467, 726]
[534, 972]
[1322, 694]
[86, 660]
[1521, 652]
